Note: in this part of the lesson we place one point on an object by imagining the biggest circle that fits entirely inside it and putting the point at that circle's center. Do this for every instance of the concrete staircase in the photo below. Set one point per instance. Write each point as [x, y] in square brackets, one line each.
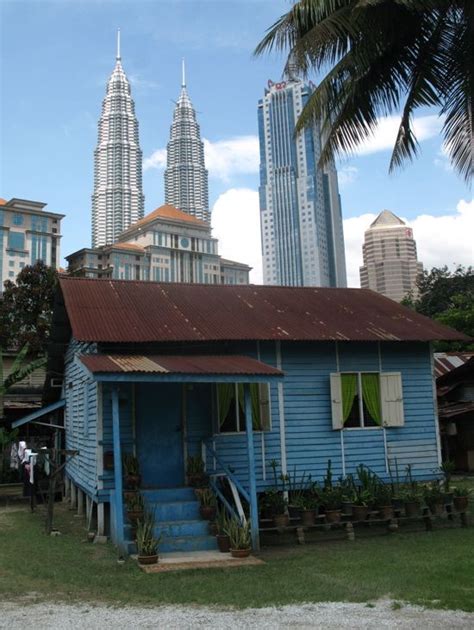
[177, 520]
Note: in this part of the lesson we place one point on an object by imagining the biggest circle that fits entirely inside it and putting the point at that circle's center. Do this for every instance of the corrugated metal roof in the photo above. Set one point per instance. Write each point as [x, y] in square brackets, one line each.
[444, 362]
[173, 364]
[127, 311]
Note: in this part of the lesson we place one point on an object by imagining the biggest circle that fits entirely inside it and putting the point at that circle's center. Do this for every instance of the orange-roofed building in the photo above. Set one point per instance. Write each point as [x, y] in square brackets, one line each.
[167, 245]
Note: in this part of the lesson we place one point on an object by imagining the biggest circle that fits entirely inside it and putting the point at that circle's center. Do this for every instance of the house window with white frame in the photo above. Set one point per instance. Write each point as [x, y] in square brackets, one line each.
[231, 407]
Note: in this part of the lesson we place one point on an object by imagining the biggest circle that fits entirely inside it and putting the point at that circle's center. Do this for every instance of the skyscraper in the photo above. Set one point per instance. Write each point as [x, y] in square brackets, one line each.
[300, 210]
[186, 181]
[117, 200]
[390, 261]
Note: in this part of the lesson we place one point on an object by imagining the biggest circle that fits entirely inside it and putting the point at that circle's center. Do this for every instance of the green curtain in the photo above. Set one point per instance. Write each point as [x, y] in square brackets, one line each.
[371, 395]
[349, 390]
[225, 395]
[255, 400]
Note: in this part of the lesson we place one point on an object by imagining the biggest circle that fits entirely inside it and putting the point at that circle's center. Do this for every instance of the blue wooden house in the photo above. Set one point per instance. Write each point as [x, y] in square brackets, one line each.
[243, 375]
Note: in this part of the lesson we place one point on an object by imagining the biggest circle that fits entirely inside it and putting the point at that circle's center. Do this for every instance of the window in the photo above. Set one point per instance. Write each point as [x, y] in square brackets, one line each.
[231, 407]
[366, 399]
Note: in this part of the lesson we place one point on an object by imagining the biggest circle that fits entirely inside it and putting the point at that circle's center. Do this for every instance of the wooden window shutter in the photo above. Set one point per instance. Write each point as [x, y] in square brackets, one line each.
[336, 401]
[392, 399]
[264, 400]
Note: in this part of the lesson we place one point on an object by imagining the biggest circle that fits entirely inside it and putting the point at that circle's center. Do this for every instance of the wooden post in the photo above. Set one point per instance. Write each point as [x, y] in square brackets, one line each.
[118, 494]
[80, 502]
[67, 488]
[251, 464]
[73, 496]
[100, 519]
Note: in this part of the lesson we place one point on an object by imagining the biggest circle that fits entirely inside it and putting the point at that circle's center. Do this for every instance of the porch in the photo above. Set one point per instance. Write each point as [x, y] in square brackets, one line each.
[162, 410]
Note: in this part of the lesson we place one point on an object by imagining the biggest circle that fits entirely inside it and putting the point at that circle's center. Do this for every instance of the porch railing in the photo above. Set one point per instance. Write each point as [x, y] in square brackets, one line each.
[236, 488]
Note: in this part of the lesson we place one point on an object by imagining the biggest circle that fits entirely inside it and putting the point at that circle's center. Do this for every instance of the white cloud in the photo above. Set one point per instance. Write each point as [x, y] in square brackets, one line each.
[383, 138]
[156, 160]
[141, 83]
[443, 160]
[224, 158]
[236, 223]
[441, 240]
[347, 175]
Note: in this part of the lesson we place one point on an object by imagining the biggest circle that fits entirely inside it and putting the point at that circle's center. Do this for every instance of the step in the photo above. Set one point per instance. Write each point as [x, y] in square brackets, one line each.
[175, 510]
[160, 495]
[182, 544]
[176, 529]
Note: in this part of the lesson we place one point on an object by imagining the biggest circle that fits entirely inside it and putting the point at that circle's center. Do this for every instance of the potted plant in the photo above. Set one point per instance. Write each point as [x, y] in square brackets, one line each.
[308, 509]
[447, 468]
[195, 472]
[383, 501]
[222, 537]
[412, 500]
[135, 506]
[240, 538]
[331, 498]
[434, 498]
[207, 500]
[360, 507]
[461, 499]
[131, 471]
[147, 544]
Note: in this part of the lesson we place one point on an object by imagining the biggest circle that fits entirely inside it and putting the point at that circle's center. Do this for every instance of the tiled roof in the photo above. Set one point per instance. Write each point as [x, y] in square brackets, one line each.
[129, 311]
[168, 212]
[132, 246]
[3, 202]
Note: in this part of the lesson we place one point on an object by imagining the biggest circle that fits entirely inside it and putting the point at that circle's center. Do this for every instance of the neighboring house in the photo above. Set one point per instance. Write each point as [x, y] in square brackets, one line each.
[171, 370]
[26, 395]
[455, 389]
[167, 245]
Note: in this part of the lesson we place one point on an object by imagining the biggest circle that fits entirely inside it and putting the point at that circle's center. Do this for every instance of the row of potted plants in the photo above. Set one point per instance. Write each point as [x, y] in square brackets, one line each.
[355, 496]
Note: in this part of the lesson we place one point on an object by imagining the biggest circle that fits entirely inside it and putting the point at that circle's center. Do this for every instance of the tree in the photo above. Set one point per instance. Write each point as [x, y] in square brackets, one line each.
[20, 369]
[27, 308]
[379, 57]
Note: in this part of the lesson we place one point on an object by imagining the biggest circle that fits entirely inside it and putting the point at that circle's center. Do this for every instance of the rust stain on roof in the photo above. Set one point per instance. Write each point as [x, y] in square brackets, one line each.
[140, 312]
[174, 364]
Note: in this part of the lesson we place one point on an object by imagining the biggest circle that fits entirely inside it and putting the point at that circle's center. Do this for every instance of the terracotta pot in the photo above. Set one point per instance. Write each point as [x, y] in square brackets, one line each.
[148, 559]
[333, 516]
[132, 481]
[307, 517]
[281, 521]
[223, 543]
[360, 512]
[385, 512]
[240, 553]
[412, 508]
[208, 512]
[461, 503]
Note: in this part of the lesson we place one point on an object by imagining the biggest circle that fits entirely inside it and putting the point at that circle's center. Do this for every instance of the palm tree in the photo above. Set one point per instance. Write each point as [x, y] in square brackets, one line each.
[379, 57]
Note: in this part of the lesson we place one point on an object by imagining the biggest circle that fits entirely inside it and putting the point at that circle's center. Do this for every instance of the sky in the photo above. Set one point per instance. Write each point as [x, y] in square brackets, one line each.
[56, 58]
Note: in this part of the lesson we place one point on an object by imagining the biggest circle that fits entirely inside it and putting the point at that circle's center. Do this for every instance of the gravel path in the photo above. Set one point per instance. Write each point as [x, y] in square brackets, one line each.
[326, 615]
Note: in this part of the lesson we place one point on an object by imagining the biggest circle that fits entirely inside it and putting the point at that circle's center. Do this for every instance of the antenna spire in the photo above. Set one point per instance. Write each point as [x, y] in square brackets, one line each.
[118, 45]
[183, 71]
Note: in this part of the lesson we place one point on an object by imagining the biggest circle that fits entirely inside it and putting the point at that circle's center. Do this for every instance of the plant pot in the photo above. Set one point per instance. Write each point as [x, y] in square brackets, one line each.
[385, 512]
[460, 503]
[307, 517]
[347, 508]
[412, 508]
[208, 512]
[360, 512]
[223, 543]
[133, 517]
[281, 521]
[333, 516]
[436, 509]
[199, 480]
[240, 553]
[148, 559]
[132, 482]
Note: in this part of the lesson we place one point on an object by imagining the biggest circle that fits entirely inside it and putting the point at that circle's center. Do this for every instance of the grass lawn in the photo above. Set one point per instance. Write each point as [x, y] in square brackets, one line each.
[435, 569]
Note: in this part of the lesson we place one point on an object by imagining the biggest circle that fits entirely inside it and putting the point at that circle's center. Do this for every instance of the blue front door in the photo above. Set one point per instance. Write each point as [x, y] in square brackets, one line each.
[159, 434]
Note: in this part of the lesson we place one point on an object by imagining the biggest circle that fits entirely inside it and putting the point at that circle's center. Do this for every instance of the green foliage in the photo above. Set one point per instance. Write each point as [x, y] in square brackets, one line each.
[447, 468]
[239, 534]
[370, 67]
[273, 500]
[147, 544]
[433, 493]
[194, 465]
[135, 502]
[462, 491]
[222, 520]
[131, 465]
[206, 497]
[19, 371]
[27, 308]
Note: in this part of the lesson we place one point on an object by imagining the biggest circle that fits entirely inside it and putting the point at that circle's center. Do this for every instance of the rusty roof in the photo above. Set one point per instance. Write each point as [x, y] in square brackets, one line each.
[139, 312]
[167, 212]
[445, 362]
[130, 246]
[173, 364]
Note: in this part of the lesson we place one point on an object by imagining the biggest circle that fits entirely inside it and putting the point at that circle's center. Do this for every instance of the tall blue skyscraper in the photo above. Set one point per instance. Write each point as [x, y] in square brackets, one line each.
[300, 209]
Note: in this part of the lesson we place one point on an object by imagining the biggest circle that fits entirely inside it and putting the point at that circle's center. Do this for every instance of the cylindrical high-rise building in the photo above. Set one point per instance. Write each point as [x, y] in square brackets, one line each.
[186, 179]
[117, 200]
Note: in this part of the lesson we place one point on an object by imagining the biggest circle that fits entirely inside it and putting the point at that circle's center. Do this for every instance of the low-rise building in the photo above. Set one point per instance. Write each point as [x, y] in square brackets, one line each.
[167, 245]
[28, 233]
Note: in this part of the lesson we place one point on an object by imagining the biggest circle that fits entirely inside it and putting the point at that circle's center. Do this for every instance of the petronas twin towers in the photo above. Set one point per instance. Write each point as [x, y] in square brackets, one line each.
[118, 200]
